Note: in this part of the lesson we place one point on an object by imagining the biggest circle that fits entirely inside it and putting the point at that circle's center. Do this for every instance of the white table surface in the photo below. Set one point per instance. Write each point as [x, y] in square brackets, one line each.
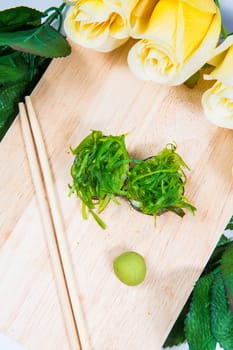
[227, 11]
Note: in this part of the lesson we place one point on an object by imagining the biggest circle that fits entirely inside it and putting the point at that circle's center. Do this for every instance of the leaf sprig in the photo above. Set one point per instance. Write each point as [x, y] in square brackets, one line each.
[207, 317]
[21, 28]
[26, 47]
[230, 224]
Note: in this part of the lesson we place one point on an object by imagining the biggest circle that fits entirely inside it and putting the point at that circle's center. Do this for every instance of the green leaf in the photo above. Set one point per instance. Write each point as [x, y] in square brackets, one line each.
[12, 68]
[215, 259]
[177, 334]
[221, 316]
[26, 47]
[223, 241]
[12, 93]
[19, 18]
[192, 81]
[43, 41]
[197, 324]
[9, 98]
[230, 224]
[5, 50]
[227, 274]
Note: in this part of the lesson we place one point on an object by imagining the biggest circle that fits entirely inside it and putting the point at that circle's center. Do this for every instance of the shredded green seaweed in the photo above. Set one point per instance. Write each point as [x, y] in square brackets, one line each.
[99, 172]
[157, 184]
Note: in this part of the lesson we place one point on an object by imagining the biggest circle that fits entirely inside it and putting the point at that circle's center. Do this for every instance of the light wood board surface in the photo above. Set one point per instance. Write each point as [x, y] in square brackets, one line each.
[87, 91]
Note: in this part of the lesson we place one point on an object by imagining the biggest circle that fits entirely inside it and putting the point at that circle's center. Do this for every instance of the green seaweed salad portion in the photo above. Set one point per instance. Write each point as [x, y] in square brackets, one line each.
[103, 170]
[99, 172]
[156, 185]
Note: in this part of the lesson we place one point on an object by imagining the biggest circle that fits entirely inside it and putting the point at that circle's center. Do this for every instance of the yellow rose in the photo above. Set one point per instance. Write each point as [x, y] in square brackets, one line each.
[218, 100]
[177, 38]
[100, 24]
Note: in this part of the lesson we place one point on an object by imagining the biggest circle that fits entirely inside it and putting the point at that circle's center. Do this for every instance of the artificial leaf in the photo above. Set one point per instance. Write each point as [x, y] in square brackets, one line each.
[12, 93]
[197, 323]
[227, 274]
[223, 241]
[221, 316]
[192, 81]
[12, 68]
[177, 334]
[34, 64]
[9, 97]
[230, 224]
[215, 259]
[5, 50]
[43, 41]
[26, 47]
[19, 18]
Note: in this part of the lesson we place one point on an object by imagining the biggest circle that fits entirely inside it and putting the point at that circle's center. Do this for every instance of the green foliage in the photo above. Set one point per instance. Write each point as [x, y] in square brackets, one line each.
[99, 171]
[12, 68]
[26, 46]
[227, 274]
[9, 96]
[208, 314]
[215, 259]
[198, 321]
[230, 224]
[221, 316]
[24, 72]
[177, 334]
[191, 82]
[19, 18]
[157, 184]
[43, 41]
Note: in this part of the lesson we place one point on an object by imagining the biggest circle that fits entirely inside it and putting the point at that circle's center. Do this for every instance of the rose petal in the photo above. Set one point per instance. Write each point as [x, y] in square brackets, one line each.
[153, 61]
[139, 19]
[97, 25]
[217, 103]
[205, 6]
[171, 53]
[196, 27]
[203, 53]
[156, 61]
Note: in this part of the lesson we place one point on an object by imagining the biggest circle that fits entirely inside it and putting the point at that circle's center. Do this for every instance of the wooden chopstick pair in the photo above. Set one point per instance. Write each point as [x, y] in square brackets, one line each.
[53, 227]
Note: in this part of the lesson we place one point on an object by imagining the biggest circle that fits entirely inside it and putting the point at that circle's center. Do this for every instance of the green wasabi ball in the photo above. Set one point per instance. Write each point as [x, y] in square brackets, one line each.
[130, 268]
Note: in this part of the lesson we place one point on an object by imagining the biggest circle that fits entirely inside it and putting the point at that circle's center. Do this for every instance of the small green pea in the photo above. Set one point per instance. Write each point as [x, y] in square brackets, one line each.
[130, 268]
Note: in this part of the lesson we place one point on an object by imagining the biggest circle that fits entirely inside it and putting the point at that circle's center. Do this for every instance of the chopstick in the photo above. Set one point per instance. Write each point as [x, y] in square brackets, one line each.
[53, 227]
[49, 231]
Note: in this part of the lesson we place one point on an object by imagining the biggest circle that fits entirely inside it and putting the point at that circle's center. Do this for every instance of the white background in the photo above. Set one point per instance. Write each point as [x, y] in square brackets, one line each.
[226, 6]
[227, 13]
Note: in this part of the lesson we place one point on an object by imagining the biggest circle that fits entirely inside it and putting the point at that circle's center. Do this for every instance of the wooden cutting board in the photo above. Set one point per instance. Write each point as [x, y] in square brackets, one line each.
[88, 91]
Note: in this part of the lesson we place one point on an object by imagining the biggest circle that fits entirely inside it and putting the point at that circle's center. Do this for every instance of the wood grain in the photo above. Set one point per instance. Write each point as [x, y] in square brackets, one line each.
[88, 91]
